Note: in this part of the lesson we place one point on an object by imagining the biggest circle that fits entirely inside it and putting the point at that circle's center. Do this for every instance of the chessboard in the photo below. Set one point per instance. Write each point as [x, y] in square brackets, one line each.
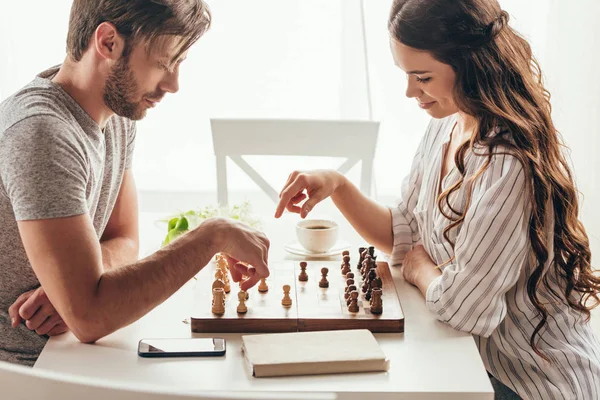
[313, 308]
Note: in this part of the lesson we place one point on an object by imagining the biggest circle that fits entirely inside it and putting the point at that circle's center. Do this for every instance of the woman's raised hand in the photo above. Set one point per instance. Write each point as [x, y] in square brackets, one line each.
[315, 186]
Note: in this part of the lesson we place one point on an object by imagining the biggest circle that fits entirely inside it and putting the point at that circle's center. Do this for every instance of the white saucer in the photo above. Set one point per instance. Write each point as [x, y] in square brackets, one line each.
[297, 249]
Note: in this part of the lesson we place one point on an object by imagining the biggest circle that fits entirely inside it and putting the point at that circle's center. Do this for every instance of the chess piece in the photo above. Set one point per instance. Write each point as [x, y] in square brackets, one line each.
[366, 266]
[218, 284]
[287, 300]
[350, 275]
[263, 287]
[351, 288]
[349, 282]
[324, 283]
[345, 253]
[242, 308]
[346, 265]
[218, 303]
[368, 279]
[242, 280]
[361, 257]
[376, 301]
[353, 306]
[372, 251]
[303, 276]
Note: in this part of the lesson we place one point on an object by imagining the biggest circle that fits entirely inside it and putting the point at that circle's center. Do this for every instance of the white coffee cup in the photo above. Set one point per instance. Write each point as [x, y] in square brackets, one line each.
[317, 235]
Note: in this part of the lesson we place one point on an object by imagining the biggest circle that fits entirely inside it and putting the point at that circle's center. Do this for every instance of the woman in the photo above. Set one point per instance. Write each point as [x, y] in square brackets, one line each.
[490, 201]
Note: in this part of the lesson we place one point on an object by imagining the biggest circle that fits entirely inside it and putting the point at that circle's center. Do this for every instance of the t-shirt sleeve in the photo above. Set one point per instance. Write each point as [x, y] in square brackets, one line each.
[43, 169]
[130, 145]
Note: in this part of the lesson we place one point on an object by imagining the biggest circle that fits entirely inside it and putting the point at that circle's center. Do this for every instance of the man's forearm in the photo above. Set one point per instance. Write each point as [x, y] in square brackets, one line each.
[118, 252]
[143, 285]
[371, 220]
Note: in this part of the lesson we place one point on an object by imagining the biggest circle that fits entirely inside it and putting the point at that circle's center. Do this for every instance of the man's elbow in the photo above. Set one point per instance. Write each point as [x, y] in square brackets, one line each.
[87, 329]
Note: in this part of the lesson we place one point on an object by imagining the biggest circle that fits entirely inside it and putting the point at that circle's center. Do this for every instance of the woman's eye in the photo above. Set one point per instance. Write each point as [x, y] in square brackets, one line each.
[423, 80]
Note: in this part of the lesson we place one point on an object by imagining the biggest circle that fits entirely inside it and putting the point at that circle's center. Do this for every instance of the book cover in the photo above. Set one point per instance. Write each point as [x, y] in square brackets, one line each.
[312, 353]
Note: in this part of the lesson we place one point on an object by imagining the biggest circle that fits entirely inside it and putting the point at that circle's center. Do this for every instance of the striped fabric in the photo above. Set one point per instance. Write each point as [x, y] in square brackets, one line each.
[483, 291]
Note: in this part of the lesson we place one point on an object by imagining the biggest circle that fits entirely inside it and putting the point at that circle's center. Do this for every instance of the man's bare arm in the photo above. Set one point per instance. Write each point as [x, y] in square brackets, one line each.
[120, 241]
[67, 259]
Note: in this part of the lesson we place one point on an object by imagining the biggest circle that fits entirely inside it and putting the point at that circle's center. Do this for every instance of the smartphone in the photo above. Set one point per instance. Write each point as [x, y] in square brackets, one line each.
[188, 347]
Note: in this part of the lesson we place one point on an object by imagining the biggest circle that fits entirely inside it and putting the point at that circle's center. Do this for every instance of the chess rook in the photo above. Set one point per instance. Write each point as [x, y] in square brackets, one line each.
[376, 302]
[218, 303]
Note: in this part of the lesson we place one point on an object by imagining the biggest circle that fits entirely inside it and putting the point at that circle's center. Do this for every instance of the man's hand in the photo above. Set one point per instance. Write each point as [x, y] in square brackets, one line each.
[39, 314]
[419, 269]
[318, 185]
[246, 250]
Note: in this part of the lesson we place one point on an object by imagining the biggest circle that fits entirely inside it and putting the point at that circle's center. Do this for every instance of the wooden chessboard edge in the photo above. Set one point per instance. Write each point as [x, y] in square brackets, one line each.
[381, 326]
[250, 325]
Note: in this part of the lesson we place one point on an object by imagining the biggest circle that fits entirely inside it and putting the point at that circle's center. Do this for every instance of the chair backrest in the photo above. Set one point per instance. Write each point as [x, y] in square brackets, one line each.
[353, 140]
[23, 383]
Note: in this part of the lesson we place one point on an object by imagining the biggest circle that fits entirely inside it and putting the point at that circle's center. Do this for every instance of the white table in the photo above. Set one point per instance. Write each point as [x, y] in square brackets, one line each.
[428, 361]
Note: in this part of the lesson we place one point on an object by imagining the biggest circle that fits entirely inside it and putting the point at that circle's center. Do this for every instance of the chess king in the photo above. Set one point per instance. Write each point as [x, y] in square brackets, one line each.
[487, 223]
[68, 201]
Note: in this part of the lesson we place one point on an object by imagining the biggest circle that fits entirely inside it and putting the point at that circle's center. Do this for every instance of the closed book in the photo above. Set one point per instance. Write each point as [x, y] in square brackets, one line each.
[313, 353]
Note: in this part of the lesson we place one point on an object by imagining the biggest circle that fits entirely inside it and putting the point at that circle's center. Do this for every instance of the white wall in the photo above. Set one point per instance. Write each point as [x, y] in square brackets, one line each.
[571, 63]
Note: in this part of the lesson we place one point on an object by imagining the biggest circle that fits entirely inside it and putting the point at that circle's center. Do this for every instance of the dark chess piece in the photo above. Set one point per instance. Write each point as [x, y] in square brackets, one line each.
[346, 265]
[351, 289]
[353, 306]
[303, 276]
[324, 283]
[368, 279]
[376, 302]
[361, 257]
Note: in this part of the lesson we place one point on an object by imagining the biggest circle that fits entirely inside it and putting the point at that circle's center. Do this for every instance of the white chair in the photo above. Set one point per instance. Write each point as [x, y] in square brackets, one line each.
[23, 383]
[234, 138]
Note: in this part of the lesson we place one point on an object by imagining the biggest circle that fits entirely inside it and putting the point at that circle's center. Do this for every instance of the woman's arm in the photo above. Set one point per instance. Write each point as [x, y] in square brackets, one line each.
[491, 248]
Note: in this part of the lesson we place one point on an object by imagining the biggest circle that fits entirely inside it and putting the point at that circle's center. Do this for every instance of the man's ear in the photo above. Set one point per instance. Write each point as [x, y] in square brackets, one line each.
[109, 44]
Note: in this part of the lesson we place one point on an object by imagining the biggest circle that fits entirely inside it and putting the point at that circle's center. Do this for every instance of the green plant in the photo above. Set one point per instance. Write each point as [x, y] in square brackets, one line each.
[180, 223]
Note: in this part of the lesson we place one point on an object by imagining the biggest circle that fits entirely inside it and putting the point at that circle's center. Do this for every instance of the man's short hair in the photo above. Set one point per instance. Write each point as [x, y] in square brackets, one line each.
[137, 21]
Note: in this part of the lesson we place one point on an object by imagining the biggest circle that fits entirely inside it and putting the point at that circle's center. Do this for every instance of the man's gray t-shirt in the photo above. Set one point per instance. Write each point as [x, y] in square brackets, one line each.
[55, 162]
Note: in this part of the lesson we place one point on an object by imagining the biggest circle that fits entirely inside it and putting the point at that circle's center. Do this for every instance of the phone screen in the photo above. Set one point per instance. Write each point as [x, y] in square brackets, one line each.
[182, 347]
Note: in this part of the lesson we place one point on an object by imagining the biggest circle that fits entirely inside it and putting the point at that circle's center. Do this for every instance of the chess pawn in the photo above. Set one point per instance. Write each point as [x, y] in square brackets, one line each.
[263, 287]
[346, 265]
[376, 301]
[346, 260]
[242, 308]
[324, 283]
[353, 306]
[287, 300]
[350, 275]
[345, 253]
[349, 282]
[247, 295]
[351, 288]
[218, 304]
[303, 276]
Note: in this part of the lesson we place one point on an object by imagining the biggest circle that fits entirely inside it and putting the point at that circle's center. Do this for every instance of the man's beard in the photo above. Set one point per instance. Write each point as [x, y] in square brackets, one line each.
[119, 90]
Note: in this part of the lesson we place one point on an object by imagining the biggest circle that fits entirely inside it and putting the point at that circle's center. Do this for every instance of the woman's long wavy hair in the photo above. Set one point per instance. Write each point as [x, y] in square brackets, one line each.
[499, 82]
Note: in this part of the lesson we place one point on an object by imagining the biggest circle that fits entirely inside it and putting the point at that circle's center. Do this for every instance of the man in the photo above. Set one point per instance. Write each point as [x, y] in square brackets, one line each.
[68, 201]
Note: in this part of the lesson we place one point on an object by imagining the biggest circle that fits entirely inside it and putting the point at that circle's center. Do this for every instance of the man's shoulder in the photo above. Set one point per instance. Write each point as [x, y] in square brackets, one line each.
[37, 99]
